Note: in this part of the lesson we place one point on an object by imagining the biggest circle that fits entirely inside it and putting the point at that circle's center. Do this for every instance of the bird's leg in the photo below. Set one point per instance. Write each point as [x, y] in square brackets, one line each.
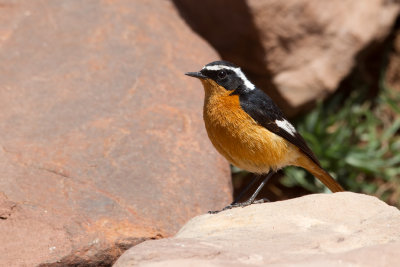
[239, 197]
[251, 199]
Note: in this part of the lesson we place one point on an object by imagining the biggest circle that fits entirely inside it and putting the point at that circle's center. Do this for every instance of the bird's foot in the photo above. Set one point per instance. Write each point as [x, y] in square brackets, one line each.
[241, 204]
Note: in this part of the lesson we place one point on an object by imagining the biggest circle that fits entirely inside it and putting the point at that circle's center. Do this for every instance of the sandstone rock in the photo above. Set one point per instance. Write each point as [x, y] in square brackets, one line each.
[342, 229]
[102, 142]
[305, 46]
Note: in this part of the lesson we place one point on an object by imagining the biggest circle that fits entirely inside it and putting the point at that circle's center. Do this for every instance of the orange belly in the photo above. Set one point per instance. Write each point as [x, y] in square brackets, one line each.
[241, 140]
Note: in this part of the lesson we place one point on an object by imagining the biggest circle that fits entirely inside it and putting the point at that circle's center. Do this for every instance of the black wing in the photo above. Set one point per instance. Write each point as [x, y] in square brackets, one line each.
[264, 111]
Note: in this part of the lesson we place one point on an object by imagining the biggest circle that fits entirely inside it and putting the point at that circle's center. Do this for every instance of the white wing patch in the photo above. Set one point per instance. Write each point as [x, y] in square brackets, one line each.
[238, 72]
[285, 125]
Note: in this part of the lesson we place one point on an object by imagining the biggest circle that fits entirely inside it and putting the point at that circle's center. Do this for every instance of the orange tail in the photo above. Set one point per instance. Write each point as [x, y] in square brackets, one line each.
[320, 173]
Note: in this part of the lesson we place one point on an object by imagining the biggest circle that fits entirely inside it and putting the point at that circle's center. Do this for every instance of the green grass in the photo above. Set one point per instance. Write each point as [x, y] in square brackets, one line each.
[357, 140]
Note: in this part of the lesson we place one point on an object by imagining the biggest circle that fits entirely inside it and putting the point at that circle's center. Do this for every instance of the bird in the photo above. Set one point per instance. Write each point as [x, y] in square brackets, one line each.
[250, 131]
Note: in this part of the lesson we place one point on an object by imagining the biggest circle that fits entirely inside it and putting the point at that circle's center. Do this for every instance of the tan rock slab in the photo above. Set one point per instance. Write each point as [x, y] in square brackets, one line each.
[342, 229]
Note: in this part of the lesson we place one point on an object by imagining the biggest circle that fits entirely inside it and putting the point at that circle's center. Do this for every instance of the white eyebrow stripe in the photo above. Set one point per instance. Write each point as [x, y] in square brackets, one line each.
[285, 125]
[238, 72]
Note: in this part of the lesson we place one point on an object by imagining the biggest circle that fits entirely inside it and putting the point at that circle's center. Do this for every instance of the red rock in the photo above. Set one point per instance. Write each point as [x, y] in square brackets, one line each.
[6, 207]
[102, 145]
[305, 47]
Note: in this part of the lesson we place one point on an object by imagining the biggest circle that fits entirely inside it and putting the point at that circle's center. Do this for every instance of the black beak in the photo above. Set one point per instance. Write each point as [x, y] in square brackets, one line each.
[196, 75]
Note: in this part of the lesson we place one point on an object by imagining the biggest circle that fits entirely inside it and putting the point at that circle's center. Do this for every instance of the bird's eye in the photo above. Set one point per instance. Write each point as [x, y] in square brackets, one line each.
[221, 74]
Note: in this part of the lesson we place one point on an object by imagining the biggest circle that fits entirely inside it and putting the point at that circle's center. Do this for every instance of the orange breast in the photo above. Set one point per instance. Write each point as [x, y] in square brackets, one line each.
[239, 138]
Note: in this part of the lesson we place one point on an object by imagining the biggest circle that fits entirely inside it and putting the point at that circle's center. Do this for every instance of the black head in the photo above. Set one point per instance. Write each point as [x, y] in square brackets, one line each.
[224, 73]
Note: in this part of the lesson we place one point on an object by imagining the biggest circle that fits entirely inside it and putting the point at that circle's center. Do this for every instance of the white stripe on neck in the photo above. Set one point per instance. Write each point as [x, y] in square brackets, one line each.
[238, 72]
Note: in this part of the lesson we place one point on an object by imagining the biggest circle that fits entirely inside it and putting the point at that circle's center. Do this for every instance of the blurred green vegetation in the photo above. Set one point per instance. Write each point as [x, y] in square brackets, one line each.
[357, 140]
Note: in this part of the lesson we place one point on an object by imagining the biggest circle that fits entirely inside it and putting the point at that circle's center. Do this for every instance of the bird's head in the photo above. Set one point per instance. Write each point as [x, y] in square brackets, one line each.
[222, 77]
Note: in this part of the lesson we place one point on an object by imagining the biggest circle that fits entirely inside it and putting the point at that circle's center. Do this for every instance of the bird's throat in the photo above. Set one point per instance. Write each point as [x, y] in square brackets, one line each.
[211, 88]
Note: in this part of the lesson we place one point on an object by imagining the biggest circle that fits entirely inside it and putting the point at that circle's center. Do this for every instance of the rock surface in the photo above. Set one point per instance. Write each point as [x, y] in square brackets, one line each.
[342, 229]
[102, 143]
[305, 46]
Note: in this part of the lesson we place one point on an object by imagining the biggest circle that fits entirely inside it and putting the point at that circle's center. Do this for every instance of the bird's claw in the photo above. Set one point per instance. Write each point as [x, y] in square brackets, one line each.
[241, 204]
